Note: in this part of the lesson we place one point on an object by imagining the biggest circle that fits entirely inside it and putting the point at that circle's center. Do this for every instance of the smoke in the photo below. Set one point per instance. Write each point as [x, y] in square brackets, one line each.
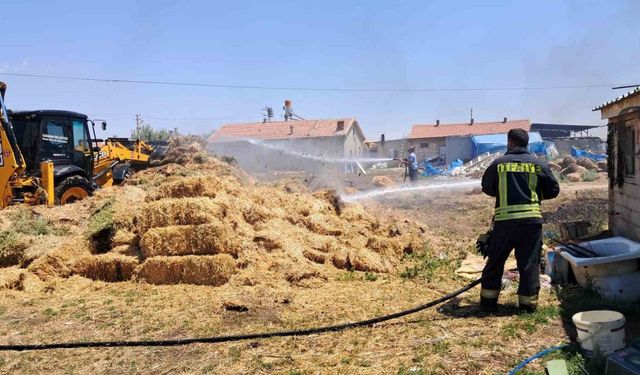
[312, 157]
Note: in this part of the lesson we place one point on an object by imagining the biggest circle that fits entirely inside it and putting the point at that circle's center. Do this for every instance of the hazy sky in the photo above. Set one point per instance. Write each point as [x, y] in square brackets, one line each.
[325, 44]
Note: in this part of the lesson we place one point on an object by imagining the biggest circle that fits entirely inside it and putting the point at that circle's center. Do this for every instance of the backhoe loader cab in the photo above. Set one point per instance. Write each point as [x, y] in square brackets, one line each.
[63, 138]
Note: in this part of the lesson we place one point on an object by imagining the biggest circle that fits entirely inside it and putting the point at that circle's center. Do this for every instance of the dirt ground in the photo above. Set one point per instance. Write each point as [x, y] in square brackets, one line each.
[455, 338]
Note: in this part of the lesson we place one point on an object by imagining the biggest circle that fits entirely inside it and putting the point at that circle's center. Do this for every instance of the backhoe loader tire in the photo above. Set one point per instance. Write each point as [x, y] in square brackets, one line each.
[73, 188]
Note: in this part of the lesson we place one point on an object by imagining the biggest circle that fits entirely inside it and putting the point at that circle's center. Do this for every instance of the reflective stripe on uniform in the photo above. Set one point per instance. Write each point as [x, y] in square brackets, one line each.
[490, 293]
[533, 185]
[528, 300]
[502, 188]
[518, 207]
[518, 215]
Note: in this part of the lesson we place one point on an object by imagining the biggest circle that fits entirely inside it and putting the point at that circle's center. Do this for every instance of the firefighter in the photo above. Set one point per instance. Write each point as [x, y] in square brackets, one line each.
[519, 181]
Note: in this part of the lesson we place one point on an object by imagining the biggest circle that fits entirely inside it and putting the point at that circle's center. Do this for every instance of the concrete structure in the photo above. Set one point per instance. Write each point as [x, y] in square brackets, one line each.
[289, 145]
[392, 148]
[623, 144]
[453, 141]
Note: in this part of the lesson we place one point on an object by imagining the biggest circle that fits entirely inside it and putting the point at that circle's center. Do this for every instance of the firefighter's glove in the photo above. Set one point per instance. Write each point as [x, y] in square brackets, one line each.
[482, 244]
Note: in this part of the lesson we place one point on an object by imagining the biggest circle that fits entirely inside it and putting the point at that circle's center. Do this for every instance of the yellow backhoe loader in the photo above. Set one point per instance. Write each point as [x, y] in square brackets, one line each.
[50, 157]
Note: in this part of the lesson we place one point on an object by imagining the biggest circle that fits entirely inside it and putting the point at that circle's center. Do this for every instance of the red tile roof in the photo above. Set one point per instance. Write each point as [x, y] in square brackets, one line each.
[479, 128]
[282, 129]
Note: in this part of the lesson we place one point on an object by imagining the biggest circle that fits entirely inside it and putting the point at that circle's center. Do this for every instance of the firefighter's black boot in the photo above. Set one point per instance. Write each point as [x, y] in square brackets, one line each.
[527, 304]
[488, 304]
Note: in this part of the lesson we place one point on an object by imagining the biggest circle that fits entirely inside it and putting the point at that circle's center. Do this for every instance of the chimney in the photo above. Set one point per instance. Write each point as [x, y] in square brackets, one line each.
[437, 122]
[288, 110]
[382, 138]
[504, 120]
[471, 122]
[340, 126]
[290, 129]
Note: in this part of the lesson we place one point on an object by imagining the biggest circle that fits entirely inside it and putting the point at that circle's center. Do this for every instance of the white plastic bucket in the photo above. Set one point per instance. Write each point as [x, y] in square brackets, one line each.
[601, 330]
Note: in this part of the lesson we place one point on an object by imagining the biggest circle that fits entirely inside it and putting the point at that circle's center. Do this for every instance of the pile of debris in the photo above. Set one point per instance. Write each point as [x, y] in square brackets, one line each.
[198, 220]
[582, 169]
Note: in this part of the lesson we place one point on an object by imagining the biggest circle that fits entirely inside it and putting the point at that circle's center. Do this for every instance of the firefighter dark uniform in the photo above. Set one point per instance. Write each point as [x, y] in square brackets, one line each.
[519, 181]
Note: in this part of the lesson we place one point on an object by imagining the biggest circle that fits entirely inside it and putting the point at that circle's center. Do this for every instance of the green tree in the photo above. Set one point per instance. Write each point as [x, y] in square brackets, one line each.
[147, 133]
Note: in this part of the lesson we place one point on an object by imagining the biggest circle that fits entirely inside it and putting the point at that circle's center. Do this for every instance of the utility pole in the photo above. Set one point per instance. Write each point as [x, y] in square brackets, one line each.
[138, 124]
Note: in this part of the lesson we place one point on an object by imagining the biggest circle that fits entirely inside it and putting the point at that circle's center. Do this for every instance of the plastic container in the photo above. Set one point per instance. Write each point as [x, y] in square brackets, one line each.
[618, 256]
[601, 330]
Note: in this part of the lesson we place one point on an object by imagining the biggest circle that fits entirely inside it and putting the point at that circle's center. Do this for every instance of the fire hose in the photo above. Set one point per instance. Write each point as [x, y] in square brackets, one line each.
[240, 337]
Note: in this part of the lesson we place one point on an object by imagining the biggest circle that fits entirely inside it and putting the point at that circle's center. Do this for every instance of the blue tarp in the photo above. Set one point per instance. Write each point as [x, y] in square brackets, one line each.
[430, 170]
[578, 153]
[498, 143]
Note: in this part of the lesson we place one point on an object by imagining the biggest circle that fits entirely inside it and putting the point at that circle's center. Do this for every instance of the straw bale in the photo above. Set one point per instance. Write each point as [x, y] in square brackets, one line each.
[602, 166]
[254, 214]
[124, 237]
[325, 244]
[187, 188]
[567, 161]
[571, 168]
[350, 190]
[554, 166]
[131, 250]
[106, 267]
[269, 239]
[182, 151]
[178, 211]
[383, 182]
[354, 213]
[385, 246]
[340, 259]
[574, 177]
[305, 277]
[204, 239]
[587, 163]
[15, 278]
[315, 256]
[59, 261]
[190, 187]
[367, 261]
[213, 270]
[332, 197]
[324, 224]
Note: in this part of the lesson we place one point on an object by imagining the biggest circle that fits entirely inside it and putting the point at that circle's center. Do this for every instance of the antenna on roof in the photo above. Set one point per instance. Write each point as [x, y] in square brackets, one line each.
[267, 113]
[471, 119]
[288, 111]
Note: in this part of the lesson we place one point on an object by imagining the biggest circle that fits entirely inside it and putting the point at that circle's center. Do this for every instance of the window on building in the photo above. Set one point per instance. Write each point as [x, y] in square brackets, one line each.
[396, 153]
[627, 144]
[424, 145]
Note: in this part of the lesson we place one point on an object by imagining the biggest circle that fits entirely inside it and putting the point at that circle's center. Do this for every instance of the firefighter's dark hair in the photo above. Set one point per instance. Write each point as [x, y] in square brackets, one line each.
[518, 137]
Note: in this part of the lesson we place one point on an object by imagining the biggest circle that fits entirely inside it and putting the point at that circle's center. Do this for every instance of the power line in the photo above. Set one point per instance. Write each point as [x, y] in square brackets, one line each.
[294, 88]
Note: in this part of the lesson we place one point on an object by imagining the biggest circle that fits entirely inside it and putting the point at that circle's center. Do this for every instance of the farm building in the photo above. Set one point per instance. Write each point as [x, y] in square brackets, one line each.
[288, 145]
[552, 131]
[623, 144]
[454, 141]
